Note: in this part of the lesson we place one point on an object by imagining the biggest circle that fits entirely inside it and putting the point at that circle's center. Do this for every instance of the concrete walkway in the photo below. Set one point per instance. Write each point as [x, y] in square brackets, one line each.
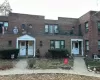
[79, 68]
[22, 64]
[79, 65]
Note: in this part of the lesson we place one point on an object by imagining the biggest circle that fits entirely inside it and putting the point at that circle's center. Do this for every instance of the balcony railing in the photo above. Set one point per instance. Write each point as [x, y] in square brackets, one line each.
[64, 32]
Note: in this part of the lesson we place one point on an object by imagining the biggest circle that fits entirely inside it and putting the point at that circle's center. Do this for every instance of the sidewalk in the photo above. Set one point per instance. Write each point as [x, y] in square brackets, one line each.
[79, 68]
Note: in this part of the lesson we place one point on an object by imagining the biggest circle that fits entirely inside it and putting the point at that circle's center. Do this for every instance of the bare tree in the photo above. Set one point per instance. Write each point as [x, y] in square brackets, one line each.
[5, 8]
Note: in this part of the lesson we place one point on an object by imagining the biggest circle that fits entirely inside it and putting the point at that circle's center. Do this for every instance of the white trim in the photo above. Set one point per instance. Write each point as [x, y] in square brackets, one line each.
[27, 38]
[76, 39]
[81, 44]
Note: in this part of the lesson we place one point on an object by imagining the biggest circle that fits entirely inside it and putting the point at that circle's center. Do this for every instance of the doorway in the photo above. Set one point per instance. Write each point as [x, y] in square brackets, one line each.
[77, 46]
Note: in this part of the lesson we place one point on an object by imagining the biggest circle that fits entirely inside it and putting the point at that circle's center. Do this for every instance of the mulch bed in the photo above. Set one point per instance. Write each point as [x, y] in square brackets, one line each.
[48, 77]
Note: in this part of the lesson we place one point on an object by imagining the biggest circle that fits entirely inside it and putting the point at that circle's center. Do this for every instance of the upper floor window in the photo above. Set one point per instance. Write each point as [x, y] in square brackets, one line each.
[98, 25]
[3, 26]
[57, 44]
[86, 26]
[23, 26]
[87, 45]
[51, 29]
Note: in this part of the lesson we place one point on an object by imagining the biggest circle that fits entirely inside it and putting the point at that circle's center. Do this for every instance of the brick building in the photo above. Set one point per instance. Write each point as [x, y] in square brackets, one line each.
[31, 32]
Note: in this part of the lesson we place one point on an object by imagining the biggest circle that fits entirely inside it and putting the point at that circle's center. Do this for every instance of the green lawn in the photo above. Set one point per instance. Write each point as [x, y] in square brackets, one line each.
[48, 63]
[92, 63]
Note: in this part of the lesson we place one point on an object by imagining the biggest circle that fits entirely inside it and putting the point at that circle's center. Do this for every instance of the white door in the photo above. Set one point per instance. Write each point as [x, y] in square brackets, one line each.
[30, 48]
[23, 48]
[75, 47]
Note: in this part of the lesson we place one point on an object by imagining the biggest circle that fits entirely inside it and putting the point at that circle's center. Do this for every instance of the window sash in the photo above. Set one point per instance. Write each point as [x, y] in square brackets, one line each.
[86, 26]
[98, 25]
[52, 46]
[46, 28]
[98, 42]
[87, 44]
[57, 44]
[51, 28]
[56, 29]
[87, 47]
[5, 24]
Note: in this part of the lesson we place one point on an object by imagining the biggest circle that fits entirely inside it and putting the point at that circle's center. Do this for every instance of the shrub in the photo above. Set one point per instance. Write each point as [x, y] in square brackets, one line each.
[6, 54]
[31, 63]
[48, 55]
[38, 53]
[59, 53]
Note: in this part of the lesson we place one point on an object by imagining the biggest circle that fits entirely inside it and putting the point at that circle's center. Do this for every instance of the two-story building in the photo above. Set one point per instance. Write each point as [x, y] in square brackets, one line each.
[31, 32]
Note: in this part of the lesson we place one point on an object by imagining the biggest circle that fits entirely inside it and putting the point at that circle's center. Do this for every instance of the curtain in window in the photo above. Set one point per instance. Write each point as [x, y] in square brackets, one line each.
[62, 44]
[56, 29]
[46, 28]
[51, 28]
[57, 44]
[87, 45]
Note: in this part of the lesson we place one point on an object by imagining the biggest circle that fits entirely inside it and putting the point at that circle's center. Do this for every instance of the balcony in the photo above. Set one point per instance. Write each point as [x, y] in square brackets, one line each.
[64, 32]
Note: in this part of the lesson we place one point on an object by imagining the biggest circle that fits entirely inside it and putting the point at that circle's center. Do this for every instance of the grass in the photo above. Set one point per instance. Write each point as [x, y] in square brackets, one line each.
[48, 63]
[48, 77]
[7, 64]
[92, 63]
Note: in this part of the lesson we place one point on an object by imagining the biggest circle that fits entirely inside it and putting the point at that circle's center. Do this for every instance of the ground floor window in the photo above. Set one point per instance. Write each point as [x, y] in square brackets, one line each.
[99, 44]
[9, 43]
[57, 44]
[86, 45]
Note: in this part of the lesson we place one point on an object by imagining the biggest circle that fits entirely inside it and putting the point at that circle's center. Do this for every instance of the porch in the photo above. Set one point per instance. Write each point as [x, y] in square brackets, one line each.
[26, 45]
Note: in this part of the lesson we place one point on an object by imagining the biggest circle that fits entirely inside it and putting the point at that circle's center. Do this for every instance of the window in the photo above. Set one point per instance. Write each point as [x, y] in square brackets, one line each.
[56, 29]
[79, 30]
[46, 28]
[23, 26]
[86, 27]
[87, 45]
[5, 25]
[99, 44]
[98, 25]
[23, 43]
[57, 44]
[51, 29]
[1, 24]
[10, 43]
[30, 43]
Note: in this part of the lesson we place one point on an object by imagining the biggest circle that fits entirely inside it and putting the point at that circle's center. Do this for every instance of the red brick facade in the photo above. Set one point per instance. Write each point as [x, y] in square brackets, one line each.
[64, 24]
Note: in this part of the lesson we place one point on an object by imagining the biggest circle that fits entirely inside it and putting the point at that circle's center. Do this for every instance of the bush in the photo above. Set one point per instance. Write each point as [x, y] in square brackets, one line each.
[37, 53]
[6, 54]
[59, 53]
[31, 63]
[48, 55]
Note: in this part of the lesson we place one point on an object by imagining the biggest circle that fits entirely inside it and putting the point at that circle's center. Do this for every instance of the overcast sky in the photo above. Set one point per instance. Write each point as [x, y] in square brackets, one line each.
[52, 9]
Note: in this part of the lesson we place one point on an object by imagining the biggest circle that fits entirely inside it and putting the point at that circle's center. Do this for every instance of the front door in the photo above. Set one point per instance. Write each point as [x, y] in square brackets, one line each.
[75, 47]
[23, 48]
[30, 48]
